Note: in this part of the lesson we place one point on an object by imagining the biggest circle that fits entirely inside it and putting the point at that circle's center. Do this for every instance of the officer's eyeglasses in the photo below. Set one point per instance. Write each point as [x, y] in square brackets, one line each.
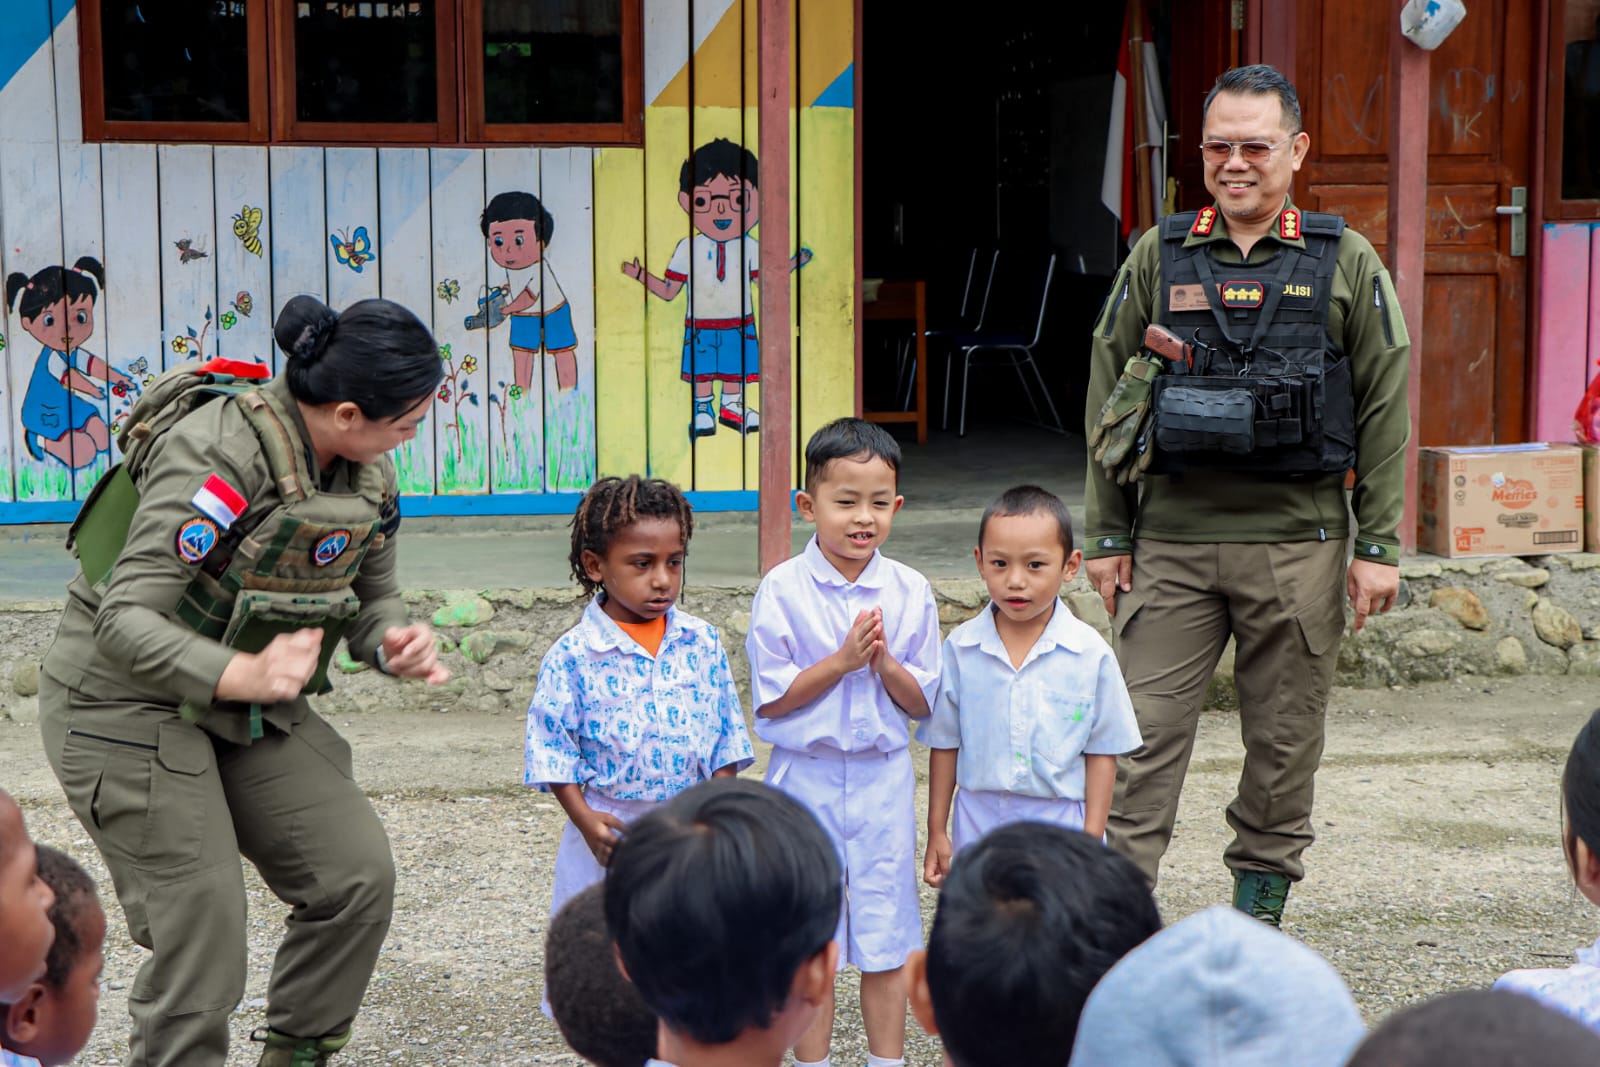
[1251, 151]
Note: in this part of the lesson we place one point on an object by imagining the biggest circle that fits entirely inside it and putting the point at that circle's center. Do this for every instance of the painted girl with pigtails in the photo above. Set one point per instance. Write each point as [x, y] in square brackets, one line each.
[63, 411]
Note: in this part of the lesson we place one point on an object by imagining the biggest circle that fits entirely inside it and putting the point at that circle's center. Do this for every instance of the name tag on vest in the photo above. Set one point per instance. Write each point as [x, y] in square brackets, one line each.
[1186, 298]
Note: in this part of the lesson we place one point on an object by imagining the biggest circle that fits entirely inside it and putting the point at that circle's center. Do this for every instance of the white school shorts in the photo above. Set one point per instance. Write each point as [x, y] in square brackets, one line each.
[576, 867]
[866, 802]
[977, 811]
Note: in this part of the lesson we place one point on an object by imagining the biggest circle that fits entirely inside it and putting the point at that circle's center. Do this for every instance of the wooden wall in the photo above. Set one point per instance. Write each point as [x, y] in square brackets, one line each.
[180, 283]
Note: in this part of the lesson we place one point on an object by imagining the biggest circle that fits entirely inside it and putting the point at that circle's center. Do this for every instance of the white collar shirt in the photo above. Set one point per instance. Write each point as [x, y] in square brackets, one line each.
[1026, 729]
[609, 716]
[801, 614]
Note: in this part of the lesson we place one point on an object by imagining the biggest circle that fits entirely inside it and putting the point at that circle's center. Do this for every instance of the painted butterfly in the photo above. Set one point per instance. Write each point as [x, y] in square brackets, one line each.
[352, 250]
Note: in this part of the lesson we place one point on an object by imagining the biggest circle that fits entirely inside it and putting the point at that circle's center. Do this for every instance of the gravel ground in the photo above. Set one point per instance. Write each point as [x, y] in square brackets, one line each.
[1437, 867]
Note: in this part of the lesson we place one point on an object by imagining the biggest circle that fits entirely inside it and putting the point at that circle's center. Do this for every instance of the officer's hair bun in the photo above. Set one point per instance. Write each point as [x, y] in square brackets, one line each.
[303, 328]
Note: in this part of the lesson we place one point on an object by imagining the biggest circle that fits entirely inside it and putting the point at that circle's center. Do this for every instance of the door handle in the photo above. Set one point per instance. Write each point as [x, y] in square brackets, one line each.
[1517, 210]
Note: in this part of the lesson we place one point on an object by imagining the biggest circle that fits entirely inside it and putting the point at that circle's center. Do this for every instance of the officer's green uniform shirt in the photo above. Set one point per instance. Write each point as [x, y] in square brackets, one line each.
[129, 647]
[1209, 507]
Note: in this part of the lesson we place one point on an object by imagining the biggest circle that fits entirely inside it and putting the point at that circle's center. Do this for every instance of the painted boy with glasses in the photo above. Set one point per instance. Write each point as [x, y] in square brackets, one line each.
[1226, 514]
[717, 187]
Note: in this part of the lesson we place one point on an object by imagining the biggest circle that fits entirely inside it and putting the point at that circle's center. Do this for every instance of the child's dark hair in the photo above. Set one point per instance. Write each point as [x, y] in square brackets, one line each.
[375, 354]
[721, 158]
[506, 206]
[1029, 500]
[598, 1011]
[849, 438]
[715, 899]
[1029, 919]
[1580, 791]
[612, 505]
[74, 891]
[84, 278]
[1478, 1028]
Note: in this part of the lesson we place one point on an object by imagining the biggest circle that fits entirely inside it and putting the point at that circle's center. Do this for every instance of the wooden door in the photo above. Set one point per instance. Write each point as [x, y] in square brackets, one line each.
[1480, 148]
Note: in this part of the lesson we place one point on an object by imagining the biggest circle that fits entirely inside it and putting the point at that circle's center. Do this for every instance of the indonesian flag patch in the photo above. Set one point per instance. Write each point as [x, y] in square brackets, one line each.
[219, 501]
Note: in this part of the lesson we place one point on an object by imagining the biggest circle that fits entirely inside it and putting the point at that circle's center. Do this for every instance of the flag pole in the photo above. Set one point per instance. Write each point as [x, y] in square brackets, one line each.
[1136, 101]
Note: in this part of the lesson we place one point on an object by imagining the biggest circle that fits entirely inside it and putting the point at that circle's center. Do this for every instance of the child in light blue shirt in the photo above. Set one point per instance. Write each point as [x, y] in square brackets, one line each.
[1031, 712]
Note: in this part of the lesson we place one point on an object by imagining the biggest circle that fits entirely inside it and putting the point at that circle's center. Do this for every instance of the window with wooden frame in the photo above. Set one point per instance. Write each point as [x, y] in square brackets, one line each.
[423, 72]
[1572, 162]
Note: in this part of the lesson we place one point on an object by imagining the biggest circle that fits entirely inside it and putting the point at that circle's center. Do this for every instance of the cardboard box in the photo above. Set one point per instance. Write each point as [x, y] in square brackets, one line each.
[1591, 498]
[1501, 500]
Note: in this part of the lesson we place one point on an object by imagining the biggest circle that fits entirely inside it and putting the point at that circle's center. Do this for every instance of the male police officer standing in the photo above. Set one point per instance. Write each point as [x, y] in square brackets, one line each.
[1294, 372]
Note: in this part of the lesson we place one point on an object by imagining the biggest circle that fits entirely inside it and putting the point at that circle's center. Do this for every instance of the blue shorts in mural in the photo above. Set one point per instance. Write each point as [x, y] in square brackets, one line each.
[727, 351]
[551, 331]
[50, 409]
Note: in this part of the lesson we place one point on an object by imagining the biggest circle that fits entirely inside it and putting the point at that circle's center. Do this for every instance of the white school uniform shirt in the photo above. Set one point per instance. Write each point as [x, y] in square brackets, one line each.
[609, 716]
[538, 280]
[1573, 991]
[11, 1059]
[1026, 729]
[719, 274]
[801, 614]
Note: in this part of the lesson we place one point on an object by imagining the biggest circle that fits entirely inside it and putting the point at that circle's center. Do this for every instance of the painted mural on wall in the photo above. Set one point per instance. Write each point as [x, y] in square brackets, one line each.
[558, 365]
[719, 190]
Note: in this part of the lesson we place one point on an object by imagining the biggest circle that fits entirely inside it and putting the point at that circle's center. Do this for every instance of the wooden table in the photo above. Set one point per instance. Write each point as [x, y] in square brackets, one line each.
[905, 301]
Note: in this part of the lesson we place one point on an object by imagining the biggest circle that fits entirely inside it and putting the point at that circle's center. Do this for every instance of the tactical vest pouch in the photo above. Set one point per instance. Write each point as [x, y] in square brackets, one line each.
[261, 615]
[1199, 414]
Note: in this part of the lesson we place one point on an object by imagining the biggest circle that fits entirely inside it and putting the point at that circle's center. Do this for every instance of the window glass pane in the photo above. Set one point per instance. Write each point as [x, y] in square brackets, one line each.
[175, 61]
[1580, 142]
[550, 61]
[365, 62]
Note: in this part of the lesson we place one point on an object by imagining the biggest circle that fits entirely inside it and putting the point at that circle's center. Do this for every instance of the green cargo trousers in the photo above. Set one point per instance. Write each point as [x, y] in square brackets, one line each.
[172, 809]
[1284, 606]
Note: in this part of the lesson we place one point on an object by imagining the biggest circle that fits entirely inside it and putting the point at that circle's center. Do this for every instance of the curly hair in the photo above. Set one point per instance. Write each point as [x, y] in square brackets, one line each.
[612, 505]
[74, 891]
[600, 1014]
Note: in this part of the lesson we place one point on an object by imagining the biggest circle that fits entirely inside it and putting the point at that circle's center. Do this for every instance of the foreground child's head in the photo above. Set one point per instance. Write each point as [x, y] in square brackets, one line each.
[1025, 551]
[722, 903]
[598, 1010]
[1580, 795]
[1478, 1028]
[629, 537]
[1029, 919]
[52, 1021]
[852, 491]
[25, 901]
[1219, 989]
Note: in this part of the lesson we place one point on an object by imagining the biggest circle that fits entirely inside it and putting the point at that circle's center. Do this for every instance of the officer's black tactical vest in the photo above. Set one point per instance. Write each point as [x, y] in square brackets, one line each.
[1272, 395]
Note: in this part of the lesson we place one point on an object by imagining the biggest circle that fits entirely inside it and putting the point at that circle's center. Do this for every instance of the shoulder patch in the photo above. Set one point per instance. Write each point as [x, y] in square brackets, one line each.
[196, 538]
[219, 501]
[1204, 222]
[1289, 224]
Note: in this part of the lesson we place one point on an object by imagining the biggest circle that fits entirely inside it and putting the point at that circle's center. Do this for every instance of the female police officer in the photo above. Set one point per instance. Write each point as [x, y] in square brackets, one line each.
[171, 700]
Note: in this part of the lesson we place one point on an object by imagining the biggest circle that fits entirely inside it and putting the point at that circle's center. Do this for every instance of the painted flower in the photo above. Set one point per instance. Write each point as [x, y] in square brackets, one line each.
[444, 352]
[469, 364]
[515, 392]
[180, 345]
[120, 388]
[227, 320]
[444, 392]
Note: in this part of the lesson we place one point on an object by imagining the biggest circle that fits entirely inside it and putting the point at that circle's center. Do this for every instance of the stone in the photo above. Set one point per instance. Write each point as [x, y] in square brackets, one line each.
[1091, 609]
[443, 643]
[1402, 596]
[1527, 578]
[1421, 644]
[1413, 568]
[738, 625]
[1462, 566]
[953, 614]
[346, 663]
[464, 611]
[1555, 625]
[498, 682]
[1586, 561]
[1461, 605]
[966, 592]
[1530, 600]
[24, 711]
[25, 678]
[1510, 657]
[480, 646]
[1584, 659]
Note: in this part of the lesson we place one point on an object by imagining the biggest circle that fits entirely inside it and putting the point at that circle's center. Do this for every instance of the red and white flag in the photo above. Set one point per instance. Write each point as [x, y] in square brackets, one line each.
[219, 501]
[1117, 184]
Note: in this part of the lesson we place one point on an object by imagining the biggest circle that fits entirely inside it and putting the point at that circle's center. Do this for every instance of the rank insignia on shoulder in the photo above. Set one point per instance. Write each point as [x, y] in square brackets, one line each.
[1289, 224]
[219, 501]
[196, 538]
[1242, 294]
[1205, 221]
[330, 547]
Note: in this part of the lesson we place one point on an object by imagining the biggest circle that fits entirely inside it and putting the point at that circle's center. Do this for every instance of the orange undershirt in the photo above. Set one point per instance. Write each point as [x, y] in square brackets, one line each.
[647, 634]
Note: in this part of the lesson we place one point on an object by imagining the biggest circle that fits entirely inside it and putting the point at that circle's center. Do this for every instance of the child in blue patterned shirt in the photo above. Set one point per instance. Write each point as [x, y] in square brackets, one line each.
[636, 703]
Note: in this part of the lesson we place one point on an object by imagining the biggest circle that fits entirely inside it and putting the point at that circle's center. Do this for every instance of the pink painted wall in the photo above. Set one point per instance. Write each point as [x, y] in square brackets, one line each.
[1569, 325]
